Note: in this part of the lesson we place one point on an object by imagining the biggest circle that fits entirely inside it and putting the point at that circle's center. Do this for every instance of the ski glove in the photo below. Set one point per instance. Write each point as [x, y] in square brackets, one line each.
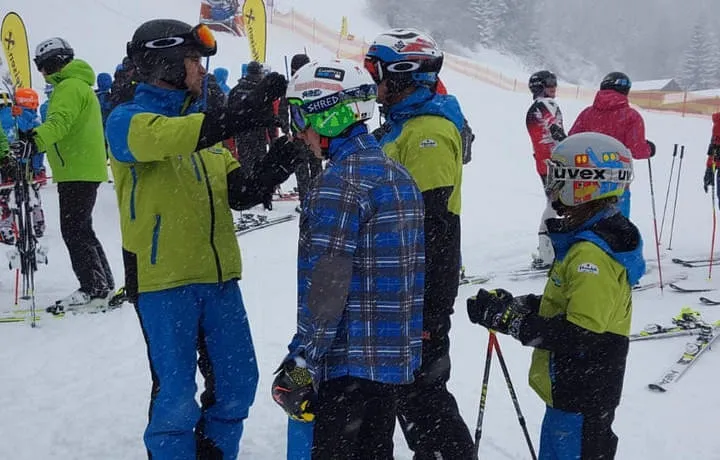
[500, 311]
[708, 178]
[651, 145]
[293, 390]
[280, 162]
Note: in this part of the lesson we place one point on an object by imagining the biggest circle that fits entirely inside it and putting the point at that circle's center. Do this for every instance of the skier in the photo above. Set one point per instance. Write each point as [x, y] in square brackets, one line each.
[310, 169]
[359, 331]
[73, 136]
[422, 133]
[221, 76]
[104, 83]
[7, 120]
[712, 165]
[252, 144]
[579, 327]
[26, 114]
[171, 170]
[545, 125]
[611, 114]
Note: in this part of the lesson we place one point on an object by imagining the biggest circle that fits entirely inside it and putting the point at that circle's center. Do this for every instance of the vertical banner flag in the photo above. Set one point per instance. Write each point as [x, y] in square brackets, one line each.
[253, 12]
[344, 28]
[17, 53]
[222, 16]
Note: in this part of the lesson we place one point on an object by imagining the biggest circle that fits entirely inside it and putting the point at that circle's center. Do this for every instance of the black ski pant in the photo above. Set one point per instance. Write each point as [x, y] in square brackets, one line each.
[305, 173]
[77, 200]
[354, 420]
[427, 411]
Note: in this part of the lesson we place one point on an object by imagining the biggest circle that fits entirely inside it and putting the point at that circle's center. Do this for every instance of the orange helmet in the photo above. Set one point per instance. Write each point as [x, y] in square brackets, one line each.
[27, 98]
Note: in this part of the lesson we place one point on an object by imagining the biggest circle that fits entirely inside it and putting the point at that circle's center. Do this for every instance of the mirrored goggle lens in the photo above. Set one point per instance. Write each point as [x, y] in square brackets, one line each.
[374, 69]
[204, 37]
[297, 117]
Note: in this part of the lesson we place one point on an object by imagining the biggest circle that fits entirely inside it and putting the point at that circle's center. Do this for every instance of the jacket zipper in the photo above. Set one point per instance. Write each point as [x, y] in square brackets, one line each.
[57, 150]
[155, 239]
[212, 219]
[133, 174]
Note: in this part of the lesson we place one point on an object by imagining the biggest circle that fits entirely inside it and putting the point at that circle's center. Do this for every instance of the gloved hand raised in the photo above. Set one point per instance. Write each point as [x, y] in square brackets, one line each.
[293, 390]
[500, 311]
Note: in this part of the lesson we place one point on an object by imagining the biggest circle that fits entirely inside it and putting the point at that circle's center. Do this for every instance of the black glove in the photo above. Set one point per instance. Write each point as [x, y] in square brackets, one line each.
[272, 87]
[708, 178]
[499, 311]
[557, 133]
[714, 150]
[22, 149]
[293, 390]
[651, 144]
[280, 162]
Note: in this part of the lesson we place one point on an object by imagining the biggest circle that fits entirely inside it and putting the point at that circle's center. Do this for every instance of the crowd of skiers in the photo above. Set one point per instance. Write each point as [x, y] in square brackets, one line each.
[378, 248]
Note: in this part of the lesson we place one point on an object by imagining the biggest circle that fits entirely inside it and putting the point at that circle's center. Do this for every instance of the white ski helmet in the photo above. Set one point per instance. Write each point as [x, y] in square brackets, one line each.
[405, 56]
[52, 54]
[586, 167]
[331, 96]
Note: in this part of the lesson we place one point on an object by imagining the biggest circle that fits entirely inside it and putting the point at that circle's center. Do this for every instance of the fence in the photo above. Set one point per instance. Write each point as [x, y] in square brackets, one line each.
[350, 47]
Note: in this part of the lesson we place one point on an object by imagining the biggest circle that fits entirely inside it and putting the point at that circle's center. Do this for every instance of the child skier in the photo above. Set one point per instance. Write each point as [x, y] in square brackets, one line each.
[579, 326]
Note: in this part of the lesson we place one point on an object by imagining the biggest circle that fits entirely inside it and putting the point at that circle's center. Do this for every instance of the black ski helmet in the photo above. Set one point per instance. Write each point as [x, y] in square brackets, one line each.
[298, 61]
[158, 49]
[617, 81]
[53, 54]
[541, 80]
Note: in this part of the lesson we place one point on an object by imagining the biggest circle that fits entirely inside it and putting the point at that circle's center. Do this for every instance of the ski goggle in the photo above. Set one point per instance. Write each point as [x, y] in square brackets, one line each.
[330, 115]
[199, 38]
[374, 68]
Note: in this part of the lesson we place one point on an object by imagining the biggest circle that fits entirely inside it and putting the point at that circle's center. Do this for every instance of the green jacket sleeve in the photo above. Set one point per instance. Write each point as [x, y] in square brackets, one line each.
[68, 101]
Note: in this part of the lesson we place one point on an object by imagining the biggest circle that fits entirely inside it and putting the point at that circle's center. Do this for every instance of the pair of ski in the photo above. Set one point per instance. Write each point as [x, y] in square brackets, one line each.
[250, 223]
[688, 322]
[697, 263]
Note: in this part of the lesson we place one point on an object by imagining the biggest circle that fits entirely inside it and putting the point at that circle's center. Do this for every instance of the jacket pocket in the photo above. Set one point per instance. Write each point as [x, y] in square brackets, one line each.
[195, 166]
[57, 151]
[155, 239]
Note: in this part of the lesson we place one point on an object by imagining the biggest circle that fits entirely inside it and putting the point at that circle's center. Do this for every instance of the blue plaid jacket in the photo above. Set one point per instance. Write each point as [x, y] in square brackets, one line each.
[365, 208]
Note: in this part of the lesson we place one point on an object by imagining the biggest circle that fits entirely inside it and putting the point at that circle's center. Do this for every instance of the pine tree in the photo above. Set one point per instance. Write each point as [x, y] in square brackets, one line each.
[691, 73]
[488, 15]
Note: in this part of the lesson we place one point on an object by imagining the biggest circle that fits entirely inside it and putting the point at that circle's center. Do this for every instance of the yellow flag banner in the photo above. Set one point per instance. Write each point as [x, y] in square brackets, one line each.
[256, 28]
[344, 28]
[17, 53]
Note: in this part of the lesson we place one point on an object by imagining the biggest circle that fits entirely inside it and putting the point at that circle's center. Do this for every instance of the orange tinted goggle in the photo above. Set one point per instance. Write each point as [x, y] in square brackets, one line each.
[374, 69]
[200, 38]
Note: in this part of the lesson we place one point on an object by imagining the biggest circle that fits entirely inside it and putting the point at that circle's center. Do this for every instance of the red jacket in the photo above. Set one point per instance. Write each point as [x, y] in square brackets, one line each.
[714, 149]
[545, 126]
[612, 115]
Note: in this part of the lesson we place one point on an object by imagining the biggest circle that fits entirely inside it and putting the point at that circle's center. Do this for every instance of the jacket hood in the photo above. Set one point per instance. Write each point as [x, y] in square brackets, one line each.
[425, 102]
[77, 68]
[168, 102]
[716, 117]
[221, 74]
[610, 231]
[104, 81]
[608, 99]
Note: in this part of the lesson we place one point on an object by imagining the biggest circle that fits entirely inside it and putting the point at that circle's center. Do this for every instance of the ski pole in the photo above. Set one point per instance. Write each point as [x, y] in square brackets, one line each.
[483, 394]
[287, 69]
[714, 221]
[667, 193]
[677, 189]
[513, 395]
[657, 241]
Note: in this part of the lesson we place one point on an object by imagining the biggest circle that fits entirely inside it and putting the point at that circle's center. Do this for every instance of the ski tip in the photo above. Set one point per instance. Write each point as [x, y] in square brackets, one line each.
[657, 388]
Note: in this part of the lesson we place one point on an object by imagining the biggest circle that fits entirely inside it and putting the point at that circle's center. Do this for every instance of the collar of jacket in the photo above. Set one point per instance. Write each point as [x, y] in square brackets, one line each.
[424, 102]
[563, 239]
[609, 99]
[357, 139]
[168, 102]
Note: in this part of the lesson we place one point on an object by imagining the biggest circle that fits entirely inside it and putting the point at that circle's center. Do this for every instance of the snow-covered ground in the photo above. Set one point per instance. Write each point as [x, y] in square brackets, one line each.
[78, 388]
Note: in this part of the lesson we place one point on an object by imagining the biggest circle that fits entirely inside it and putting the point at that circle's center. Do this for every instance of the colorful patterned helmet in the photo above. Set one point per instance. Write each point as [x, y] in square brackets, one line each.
[405, 56]
[330, 96]
[586, 167]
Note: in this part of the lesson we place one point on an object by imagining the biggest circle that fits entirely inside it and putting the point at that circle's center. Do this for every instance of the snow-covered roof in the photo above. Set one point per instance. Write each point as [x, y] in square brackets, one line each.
[650, 85]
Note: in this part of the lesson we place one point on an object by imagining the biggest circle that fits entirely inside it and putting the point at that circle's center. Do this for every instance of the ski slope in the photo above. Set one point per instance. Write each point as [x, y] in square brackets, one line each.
[78, 387]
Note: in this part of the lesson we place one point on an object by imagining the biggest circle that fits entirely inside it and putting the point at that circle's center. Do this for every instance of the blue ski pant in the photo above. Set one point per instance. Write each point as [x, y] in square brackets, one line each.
[574, 436]
[299, 439]
[176, 323]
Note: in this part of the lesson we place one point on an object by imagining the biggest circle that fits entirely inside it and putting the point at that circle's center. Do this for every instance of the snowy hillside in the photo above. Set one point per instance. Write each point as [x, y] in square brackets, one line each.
[78, 388]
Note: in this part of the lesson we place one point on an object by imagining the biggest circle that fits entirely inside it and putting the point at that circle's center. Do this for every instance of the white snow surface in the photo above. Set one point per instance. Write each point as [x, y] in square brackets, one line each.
[79, 387]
